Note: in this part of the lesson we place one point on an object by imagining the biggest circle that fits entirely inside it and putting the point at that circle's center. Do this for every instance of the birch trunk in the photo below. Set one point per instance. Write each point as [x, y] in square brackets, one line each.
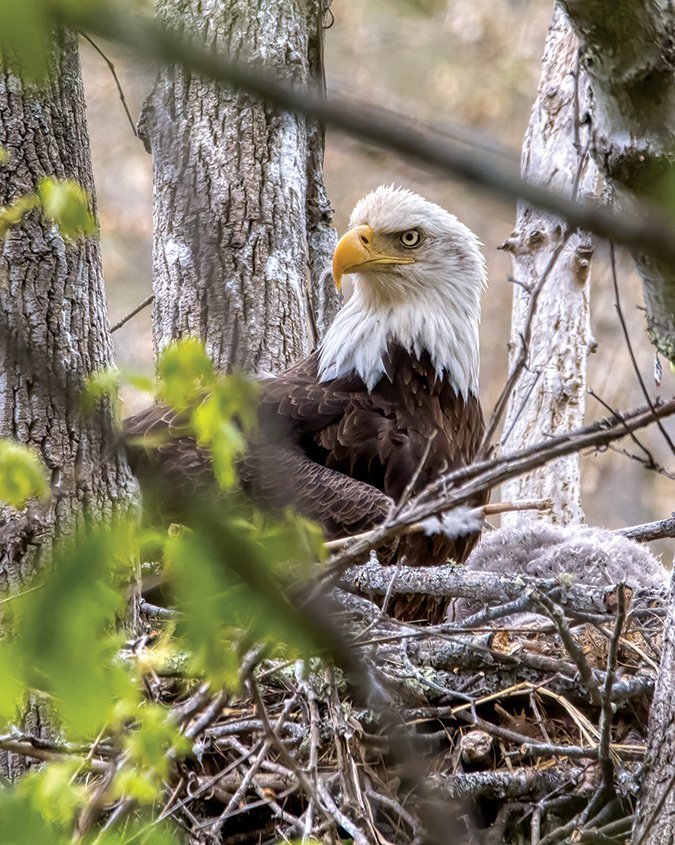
[53, 330]
[240, 214]
[629, 56]
[549, 396]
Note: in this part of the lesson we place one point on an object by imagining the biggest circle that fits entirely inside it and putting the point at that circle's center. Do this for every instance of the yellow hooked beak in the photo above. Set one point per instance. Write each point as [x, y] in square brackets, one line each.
[355, 251]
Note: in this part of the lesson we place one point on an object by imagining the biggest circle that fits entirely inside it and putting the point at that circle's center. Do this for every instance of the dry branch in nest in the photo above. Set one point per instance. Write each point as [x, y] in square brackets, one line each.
[524, 720]
[486, 732]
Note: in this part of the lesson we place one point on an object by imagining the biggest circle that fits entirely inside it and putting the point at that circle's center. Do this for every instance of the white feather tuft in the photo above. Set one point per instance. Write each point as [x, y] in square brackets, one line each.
[455, 523]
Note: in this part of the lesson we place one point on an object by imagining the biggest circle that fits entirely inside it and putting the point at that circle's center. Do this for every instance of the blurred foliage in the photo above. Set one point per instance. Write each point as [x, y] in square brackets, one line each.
[22, 476]
[67, 204]
[231, 575]
[220, 411]
[13, 215]
[39, 811]
[62, 201]
[25, 30]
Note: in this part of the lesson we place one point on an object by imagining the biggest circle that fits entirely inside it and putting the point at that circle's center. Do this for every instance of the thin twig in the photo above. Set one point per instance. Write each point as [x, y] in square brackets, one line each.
[525, 744]
[650, 462]
[147, 301]
[555, 613]
[523, 353]
[607, 708]
[412, 483]
[491, 509]
[629, 346]
[111, 68]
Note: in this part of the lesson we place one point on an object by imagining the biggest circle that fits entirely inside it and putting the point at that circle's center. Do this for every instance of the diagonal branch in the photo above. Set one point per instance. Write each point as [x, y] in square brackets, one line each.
[461, 486]
[646, 230]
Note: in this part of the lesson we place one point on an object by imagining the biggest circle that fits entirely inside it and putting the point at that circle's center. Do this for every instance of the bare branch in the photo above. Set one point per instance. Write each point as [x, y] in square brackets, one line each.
[647, 230]
[458, 487]
[649, 531]
[147, 301]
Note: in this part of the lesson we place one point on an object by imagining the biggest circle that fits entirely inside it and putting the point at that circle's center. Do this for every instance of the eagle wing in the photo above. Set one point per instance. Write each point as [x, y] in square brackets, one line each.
[281, 466]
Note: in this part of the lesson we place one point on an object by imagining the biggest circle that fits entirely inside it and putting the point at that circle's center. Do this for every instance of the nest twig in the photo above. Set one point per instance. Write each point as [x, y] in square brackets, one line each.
[521, 730]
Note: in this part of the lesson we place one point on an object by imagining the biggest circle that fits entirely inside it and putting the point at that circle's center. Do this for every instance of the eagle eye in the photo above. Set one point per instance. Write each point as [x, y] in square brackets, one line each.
[410, 239]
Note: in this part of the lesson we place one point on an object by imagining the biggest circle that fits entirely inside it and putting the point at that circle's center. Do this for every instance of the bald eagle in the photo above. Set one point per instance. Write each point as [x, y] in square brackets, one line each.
[388, 400]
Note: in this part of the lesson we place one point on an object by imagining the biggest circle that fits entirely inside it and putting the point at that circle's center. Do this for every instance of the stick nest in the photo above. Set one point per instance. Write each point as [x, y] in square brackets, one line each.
[526, 728]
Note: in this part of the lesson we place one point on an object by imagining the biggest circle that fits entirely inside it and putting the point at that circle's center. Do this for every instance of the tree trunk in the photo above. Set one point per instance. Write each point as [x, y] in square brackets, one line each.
[241, 214]
[549, 396]
[655, 820]
[53, 328]
[629, 56]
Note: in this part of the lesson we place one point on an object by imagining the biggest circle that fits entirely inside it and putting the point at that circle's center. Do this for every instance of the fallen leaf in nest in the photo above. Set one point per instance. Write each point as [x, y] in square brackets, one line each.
[519, 722]
[501, 642]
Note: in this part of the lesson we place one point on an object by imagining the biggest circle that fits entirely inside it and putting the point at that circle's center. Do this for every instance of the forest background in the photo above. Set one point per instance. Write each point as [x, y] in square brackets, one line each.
[471, 63]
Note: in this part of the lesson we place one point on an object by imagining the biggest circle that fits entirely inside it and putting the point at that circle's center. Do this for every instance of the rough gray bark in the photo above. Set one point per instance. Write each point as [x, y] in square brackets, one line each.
[655, 821]
[241, 213]
[629, 56]
[54, 325]
[53, 328]
[551, 293]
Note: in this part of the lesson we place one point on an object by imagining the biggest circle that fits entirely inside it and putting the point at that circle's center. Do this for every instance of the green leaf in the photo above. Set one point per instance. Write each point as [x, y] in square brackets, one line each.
[140, 382]
[99, 385]
[68, 205]
[210, 600]
[63, 638]
[221, 418]
[131, 783]
[152, 746]
[238, 396]
[22, 475]
[222, 581]
[292, 545]
[13, 214]
[12, 688]
[54, 791]
[135, 831]
[4, 155]
[25, 35]
[222, 436]
[185, 372]
[22, 824]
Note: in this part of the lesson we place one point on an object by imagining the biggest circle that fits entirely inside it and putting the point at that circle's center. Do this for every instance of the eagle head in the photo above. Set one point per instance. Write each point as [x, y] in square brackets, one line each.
[419, 275]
